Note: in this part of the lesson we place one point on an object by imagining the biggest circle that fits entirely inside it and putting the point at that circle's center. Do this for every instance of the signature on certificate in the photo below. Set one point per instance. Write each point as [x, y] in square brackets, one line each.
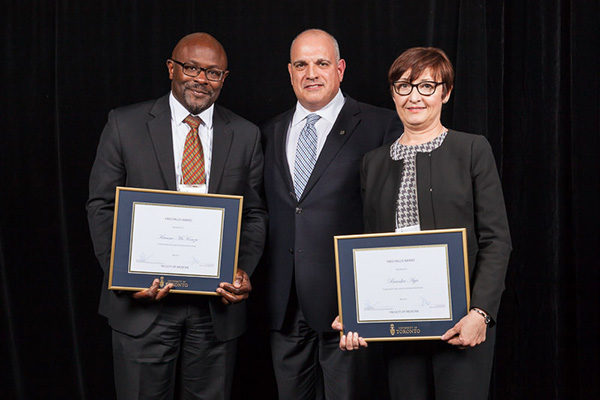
[196, 262]
[429, 304]
[374, 306]
[142, 258]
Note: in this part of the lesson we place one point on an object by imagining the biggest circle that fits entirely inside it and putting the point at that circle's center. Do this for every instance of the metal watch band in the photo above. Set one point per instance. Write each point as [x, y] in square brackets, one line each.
[486, 317]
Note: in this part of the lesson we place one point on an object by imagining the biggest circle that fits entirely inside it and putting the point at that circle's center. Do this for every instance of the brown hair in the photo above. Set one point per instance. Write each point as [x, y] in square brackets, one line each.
[420, 59]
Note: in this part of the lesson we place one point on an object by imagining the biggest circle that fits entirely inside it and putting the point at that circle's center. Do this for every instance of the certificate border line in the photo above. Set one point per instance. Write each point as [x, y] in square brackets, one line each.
[354, 251]
[177, 206]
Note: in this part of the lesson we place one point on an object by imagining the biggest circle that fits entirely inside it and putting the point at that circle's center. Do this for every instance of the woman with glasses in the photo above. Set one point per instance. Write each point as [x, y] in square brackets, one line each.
[433, 177]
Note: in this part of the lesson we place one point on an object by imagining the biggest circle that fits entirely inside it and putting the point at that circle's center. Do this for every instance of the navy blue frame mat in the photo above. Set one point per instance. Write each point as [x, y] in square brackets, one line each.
[455, 239]
[122, 279]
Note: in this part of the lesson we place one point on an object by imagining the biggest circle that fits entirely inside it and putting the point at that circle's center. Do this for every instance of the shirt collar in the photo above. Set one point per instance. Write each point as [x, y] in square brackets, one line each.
[179, 112]
[328, 113]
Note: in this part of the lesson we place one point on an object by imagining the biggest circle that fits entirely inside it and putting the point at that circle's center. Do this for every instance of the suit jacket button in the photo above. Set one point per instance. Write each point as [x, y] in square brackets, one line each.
[298, 210]
[291, 251]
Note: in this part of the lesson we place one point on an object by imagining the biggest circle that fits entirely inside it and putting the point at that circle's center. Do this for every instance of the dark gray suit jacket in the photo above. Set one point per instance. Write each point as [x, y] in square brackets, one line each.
[300, 240]
[136, 150]
[457, 187]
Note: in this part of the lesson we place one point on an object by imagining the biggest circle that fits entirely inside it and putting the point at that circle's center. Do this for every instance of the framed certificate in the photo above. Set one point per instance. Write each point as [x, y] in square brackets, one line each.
[402, 286]
[187, 239]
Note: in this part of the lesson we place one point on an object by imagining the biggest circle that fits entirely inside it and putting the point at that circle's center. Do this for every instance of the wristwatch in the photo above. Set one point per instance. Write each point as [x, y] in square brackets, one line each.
[486, 316]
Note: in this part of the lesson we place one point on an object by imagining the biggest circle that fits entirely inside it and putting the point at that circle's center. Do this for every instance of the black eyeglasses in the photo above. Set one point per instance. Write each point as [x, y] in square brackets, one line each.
[212, 74]
[426, 88]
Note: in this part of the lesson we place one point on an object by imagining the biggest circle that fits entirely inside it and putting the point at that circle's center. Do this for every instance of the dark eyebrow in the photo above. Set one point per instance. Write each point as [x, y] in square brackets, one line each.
[207, 67]
[302, 61]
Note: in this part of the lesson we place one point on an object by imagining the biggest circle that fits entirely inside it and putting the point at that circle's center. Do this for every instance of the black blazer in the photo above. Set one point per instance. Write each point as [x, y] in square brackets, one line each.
[457, 187]
[300, 239]
[136, 150]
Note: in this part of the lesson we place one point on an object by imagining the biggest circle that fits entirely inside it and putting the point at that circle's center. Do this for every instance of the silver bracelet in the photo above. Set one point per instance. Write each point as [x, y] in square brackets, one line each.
[486, 316]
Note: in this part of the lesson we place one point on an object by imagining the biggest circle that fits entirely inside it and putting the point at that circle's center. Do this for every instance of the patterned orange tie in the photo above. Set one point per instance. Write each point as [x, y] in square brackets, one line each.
[192, 165]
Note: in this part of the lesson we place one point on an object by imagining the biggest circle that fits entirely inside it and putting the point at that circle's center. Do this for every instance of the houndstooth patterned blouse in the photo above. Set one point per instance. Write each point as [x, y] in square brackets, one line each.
[407, 209]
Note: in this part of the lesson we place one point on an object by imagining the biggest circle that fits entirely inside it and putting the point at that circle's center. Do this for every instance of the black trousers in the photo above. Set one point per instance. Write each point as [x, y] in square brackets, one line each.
[426, 370]
[177, 357]
[308, 364]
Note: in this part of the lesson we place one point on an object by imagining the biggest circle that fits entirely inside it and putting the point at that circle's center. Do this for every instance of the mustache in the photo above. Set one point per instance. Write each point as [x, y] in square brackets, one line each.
[199, 88]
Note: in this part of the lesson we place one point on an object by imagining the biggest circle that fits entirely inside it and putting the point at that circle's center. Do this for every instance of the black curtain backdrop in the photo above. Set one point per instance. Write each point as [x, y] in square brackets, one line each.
[527, 77]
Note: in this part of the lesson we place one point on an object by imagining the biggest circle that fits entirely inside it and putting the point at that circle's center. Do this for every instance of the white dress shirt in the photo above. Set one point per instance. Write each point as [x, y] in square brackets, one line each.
[328, 115]
[180, 130]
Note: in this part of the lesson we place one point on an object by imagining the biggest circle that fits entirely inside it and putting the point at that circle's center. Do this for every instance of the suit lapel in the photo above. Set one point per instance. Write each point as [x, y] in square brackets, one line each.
[280, 130]
[222, 138]
[342, 130]
[392, 180]
[159, 128]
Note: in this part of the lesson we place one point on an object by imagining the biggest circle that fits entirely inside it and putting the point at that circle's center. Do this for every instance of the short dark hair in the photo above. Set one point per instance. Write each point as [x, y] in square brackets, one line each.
[420, 59]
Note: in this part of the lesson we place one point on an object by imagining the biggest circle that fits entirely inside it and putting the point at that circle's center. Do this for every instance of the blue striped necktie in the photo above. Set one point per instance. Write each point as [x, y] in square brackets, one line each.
[306, 154]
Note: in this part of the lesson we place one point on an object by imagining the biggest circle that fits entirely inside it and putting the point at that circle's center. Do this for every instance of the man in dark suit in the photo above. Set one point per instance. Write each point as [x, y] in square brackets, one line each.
[312, 185]
[144, 145]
